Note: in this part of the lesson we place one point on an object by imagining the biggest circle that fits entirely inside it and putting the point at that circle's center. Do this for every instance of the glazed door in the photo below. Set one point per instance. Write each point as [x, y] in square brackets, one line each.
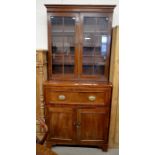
[93, 126]
[63, 45]
[95, 40]
[61, 124]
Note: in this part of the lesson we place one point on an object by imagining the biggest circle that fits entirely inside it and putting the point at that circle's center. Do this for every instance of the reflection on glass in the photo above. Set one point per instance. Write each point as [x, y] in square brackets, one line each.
[104, 39]
[63, 45]
[104, 45]
[94, 45]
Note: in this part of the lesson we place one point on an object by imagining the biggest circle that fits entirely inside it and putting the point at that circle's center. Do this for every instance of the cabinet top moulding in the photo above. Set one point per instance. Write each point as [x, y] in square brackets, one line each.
[80, 8]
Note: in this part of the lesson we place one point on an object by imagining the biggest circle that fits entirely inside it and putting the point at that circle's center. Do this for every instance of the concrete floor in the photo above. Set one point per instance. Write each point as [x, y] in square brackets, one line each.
[64, 150]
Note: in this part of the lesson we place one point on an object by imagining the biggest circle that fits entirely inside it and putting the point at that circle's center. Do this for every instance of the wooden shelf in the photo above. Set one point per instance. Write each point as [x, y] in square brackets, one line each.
[58, 54]
[55, 32]
[92, 64]
[100, 32]
[61, 63]
[92, 55]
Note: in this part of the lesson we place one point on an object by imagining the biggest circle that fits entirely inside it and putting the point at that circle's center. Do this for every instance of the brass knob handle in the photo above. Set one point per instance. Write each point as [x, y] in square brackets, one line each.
[91, 98]
[61, 97]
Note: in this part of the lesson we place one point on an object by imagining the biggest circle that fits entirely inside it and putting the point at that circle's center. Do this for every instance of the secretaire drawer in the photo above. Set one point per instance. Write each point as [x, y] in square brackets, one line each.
[78, 97]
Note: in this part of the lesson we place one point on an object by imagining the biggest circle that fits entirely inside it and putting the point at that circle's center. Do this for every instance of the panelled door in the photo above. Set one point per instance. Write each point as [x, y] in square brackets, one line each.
[61, 124]
[92, 125]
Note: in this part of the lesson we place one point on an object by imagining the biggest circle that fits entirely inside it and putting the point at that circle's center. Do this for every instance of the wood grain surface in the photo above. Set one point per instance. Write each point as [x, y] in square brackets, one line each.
[114, 78]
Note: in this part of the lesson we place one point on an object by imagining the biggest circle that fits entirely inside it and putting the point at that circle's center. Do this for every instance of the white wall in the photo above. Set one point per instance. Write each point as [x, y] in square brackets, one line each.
[41, 19]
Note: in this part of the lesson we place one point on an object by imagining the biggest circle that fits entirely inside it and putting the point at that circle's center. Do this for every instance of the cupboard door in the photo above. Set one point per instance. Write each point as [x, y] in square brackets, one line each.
[93, 125]
[63, 44]
[61, 124]
[96, 44]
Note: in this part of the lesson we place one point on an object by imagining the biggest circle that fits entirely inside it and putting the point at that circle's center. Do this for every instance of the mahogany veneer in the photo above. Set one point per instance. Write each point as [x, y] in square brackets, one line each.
[78, 92]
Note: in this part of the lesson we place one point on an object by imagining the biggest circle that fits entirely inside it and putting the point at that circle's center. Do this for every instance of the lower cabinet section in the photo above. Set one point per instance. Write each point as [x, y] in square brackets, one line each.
[78, 125]
[77, 113]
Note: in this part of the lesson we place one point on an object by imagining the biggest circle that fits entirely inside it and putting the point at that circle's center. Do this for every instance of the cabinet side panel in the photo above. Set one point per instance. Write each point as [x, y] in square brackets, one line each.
[114, 78]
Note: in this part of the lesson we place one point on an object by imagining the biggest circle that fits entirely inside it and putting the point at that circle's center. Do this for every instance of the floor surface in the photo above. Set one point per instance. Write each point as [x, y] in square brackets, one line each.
[63, 150]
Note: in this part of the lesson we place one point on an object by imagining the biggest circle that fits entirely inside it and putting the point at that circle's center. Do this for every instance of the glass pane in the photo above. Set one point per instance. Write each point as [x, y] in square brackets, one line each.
[88, 53]
[100, 53]
[94, 45]
[69, 43]
[57, 24]
[69, 24]
[57, 55]
[63, 45]
[89, 24]
[101, 24]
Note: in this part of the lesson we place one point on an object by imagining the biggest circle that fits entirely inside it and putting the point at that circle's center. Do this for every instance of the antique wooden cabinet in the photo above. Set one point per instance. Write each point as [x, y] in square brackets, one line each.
[78, 92]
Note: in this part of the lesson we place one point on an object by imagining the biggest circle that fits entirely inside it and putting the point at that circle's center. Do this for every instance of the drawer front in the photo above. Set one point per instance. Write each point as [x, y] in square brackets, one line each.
[78, 97]
[57, 97]
[91, 97]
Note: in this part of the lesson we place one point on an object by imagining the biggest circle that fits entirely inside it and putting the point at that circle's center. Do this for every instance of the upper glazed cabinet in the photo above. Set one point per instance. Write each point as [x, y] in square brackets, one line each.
[79, 40]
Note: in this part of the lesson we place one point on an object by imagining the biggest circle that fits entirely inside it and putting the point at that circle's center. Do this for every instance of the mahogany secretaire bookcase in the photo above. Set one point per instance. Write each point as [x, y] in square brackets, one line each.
[78, 92]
